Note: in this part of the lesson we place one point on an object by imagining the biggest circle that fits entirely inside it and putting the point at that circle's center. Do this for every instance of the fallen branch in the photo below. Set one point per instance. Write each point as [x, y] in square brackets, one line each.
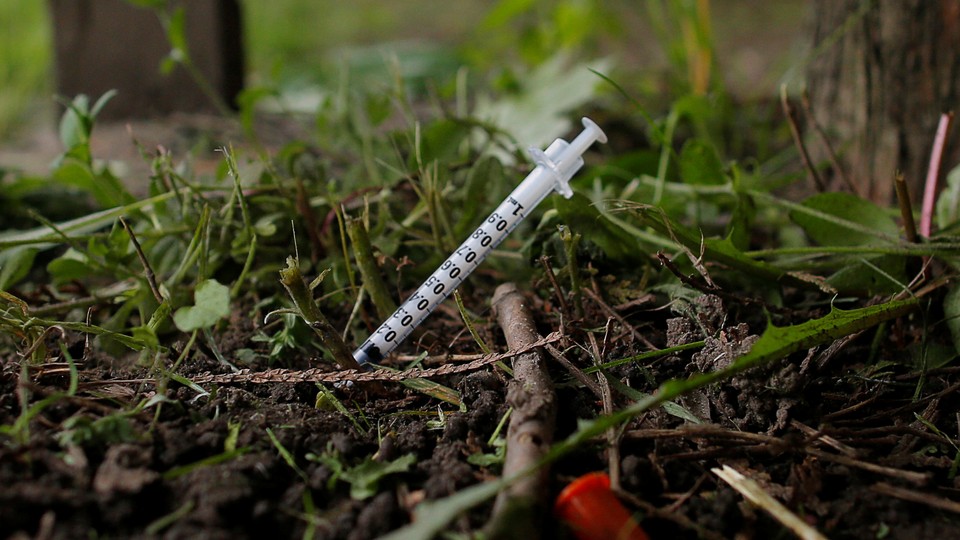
[519, 508]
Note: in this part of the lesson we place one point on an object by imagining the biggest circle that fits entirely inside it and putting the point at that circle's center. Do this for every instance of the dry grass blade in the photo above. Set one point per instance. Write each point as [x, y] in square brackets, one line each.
[755, 494]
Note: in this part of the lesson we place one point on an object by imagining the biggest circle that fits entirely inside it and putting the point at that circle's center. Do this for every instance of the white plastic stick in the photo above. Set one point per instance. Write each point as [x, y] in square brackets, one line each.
[555, 167]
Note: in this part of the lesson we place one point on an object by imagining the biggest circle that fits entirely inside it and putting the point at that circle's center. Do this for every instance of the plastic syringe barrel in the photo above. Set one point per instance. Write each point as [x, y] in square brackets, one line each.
[555, 167]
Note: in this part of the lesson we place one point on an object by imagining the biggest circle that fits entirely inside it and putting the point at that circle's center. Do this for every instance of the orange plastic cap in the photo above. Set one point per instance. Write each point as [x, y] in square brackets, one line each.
[593, 511]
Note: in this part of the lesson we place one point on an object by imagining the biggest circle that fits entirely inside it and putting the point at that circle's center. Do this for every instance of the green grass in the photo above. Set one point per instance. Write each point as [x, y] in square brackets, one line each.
[25, 56]
[300, 38]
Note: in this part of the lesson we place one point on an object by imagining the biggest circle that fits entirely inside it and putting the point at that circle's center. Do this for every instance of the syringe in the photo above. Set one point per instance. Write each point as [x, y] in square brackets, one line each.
[555, 167]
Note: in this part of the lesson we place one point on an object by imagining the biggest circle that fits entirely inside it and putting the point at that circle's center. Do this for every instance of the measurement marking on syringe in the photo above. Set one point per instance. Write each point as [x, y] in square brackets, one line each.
[555, 167]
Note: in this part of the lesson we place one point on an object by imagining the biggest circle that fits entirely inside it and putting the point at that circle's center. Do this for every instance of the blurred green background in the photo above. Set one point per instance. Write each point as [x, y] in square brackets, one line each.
[298, 43]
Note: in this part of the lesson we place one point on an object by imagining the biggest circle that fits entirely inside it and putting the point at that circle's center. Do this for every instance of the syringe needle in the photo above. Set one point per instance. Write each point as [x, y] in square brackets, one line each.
[555, 167]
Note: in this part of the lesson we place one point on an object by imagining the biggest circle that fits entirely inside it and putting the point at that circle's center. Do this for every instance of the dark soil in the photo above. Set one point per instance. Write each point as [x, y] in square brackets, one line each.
[844, 440]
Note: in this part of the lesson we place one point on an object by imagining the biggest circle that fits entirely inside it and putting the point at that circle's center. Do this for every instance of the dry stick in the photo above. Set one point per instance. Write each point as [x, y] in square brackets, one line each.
[613, 439]
[831, 154]
[575, 371]
[518, 508]
[906, 207]
[933, 174]
[151, 277]
[909, 476]
[797, 140]
[545, 262]
[623, 322]
[717, 432]
[884, 488]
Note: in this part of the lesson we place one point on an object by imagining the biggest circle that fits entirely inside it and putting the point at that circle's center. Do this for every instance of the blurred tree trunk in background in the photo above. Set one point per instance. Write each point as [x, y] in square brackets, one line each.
[113, 44]
[881, 75]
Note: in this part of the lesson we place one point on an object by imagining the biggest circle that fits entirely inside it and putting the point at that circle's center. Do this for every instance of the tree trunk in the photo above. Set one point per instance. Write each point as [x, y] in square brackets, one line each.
[882, 74]
[111, 44]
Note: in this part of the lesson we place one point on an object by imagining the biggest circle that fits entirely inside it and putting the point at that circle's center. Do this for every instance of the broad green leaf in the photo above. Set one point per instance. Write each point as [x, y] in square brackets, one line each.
[741, 222]
[483, 181]
[101, 103]
[70, 266]
[441, 140]
[951, 311]
[872, 275]
[780, 341]
[584, 218]
[850, 209]
[365, 477]
[44, 238]
[700, 165]
[948, 203]
[15, 264]
[148, 4]
[105, 188]
[776, 343]
[212, 303]
[177, 29]
[719, 250]
[74, 130]
[537, 114]
[672, 408]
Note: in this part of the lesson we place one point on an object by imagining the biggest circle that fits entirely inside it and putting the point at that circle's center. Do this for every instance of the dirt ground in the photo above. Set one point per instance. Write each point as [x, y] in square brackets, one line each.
[848, 445]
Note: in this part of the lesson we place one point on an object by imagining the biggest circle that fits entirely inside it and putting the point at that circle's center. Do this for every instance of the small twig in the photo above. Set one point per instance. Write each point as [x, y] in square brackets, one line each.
[909, 476]
[575, 371]
[623, 322]
[815, 435]
[545, 262]
[519, 507]
[613, 443]
[151, 277]
[831, 154]
[933, 174]
[703, 431]
[884, 488]
[906, 208]
[798, 140]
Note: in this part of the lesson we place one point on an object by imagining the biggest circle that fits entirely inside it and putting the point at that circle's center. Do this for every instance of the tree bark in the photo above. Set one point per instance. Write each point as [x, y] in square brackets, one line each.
[102, 45]
[881, 75]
